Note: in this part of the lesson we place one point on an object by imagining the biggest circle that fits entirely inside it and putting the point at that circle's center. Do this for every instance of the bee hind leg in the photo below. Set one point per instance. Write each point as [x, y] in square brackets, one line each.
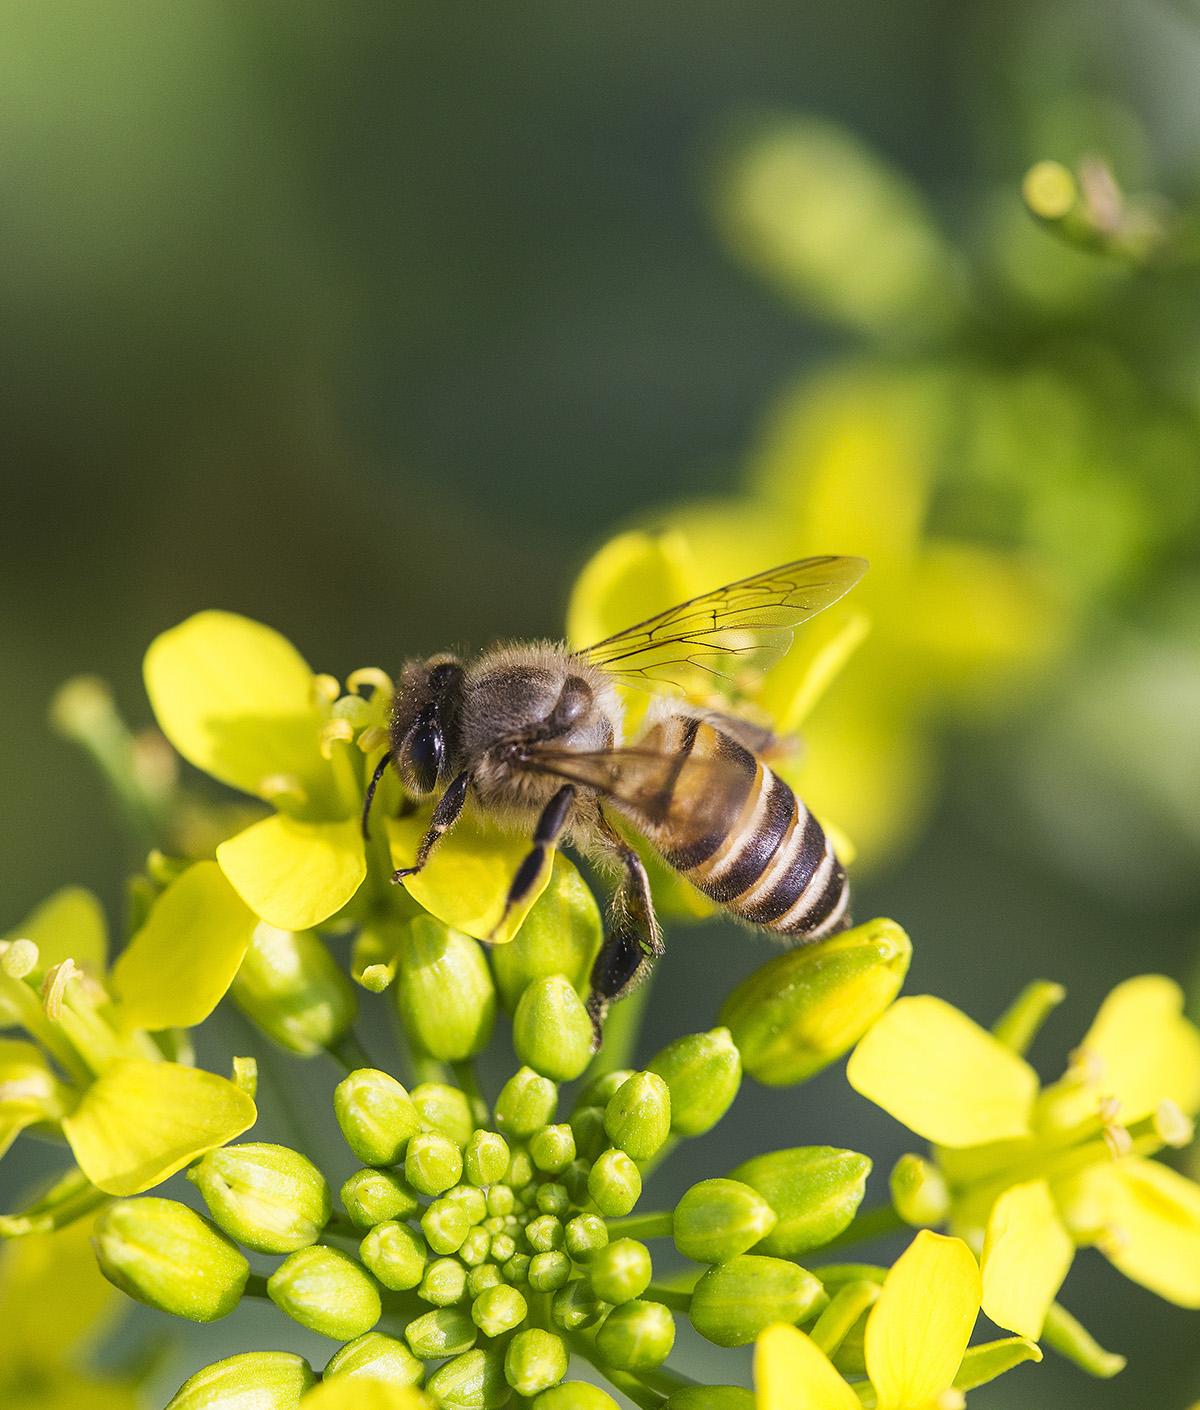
[549, 826]
[632, 944]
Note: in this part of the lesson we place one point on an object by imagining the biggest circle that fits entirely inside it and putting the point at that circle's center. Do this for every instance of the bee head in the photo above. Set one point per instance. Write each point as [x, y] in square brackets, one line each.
[425, 721]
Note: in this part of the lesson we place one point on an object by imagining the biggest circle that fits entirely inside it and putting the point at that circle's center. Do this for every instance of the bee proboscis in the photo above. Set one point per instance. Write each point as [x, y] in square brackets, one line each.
[532, 734]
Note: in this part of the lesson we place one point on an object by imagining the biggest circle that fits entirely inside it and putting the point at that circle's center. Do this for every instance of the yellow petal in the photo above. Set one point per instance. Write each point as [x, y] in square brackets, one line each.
[918, 1330]
[792, 1373]
[942, 1075]
[360, 1393]
[52, 1293]
[465, 882]
[1026, 1254]
[178, 966]
[632, 577]
[235, 698]
[295, 874]
[69, 925]
[1148, 1220]
[141, 1121]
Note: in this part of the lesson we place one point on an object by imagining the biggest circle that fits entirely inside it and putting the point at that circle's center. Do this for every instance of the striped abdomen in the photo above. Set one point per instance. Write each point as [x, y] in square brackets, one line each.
[757, 851]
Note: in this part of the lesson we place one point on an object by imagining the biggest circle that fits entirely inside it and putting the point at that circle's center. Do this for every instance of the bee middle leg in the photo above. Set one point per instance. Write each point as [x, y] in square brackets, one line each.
[549, 825]
[445, 815]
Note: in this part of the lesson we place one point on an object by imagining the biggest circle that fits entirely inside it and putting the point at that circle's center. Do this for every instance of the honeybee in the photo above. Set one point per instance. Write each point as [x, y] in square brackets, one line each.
[533, 733]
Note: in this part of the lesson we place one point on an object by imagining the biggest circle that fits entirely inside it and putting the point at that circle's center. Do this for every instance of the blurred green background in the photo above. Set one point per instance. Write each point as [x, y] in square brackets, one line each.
[374, 321]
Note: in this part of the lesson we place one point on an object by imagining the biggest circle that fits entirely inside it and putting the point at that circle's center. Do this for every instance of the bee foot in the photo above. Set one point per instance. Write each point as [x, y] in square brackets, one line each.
[404, 873]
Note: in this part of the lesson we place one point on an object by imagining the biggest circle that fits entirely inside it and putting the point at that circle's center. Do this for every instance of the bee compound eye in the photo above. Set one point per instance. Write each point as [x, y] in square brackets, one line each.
[422, 757]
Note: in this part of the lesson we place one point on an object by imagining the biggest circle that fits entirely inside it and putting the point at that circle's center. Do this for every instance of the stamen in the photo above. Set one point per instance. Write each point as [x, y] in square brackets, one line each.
[372, 738]
[19, 958]
[1118, 1140]
[274, 787]
[331, 731]
[325, 690]
[1086, 1067]
[1112, 1240]
[1173, 1125]
[371, 676]
[1108, 1108]
[54, 986]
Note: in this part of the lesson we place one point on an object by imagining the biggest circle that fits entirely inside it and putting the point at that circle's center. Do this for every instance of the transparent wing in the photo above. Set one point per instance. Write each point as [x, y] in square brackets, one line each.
[745, 626]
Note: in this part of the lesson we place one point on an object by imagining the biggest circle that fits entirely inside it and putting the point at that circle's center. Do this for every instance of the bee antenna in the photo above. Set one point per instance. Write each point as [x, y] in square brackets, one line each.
[369, 797]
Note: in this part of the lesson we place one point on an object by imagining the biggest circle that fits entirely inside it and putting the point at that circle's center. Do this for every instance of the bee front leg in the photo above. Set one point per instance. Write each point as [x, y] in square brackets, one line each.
[445, 815]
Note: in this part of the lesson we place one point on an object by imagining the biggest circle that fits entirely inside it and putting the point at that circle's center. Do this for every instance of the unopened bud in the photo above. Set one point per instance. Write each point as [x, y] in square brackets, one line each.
[474, 1201]
[638, 1116]
[445, 1109]
[526, 1103]
[552, 1148]
[735, 1301]
[548, 1271]
[477, 1248]
[814, 1190]
[561, 935]
[703, 1072]
[374, 1196]
[473, 1381]
[266, 1380]
[637, 1336]
[576, 1306]
[445, 1225]
[433, 1163]
[376, 1115]
[487, 1275]
[545, 1233]
[293, 989]
[919, 1192]
[168, 1256]
[485, 1160]
[500, 1199]
[498, 1309]
[575, 1180]
[535, 1361]
[587, 1131]
[585, 1234]
[552, 1032]
[269, 1198]
[808, 1006]
[444, 1283]
[718, 1219]
[620, 1271]
[710, 1398]
[375, 1357]
[575, 1395]
[444, 991]
[615, 1184]
[519, 1175]
[600, 1090]
[516, 1268]
[396, 1254]
[327, 1292]
[446, 1331]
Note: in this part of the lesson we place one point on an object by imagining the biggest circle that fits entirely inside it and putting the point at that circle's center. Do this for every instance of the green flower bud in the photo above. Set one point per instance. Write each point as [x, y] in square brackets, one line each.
[168, 1256]
[487, 1275]
[444, 991]
[502, 1248]
[444, 1283]
[808, 1006]
[601, 1090]
[552, 1148]
[520, 1171]
[552, 1198]
[498, 1309]
[585, 1234]
[710, 1398]
[620, 1271]
[535, 1361]
[703, 1072]
[548, 1271]
[374, 1357]
[718, 1219]
[326, 1292]
[638, 1115]
[526, 1102]
[516, 1268]
[587, 1128]
[445, 1225]
[576, 1306]
[815, 1191]
[376, 1115]
[919, 1192]
[545, 1233]
[551, 1029]
[560, 935]
[396, 1254]
[264, 1380]
[374, 1196]
[500, 1198]
[445, 1109]
[269, 1198]
[293, 989]
[575, 1395]
[471, 1382]
[485, 1160]
[637, 1336]
[735, 1301]
[472, 1200]
[446, 1331]
[575, 1180]
[615, 1184]
[476, 1247]
[433, 1163]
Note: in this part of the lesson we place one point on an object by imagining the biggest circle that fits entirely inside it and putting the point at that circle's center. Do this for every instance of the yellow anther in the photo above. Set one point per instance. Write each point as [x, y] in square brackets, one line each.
[1086, 1067]
[1173, 1125]
[331, 731]
[373, 677]
[372, 738]
[278, 787]
[19, 958]
[325, 689]
[1112, 1240]
[1049, 190]
[1108, 1109]
[1118, 1140]
[54, 986]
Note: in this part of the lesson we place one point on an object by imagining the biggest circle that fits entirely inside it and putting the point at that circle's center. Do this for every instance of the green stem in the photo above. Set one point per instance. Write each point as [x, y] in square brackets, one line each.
[621, 1030]
[348, 1052]
[656, 1224]
[665, 1381]
[871, 1224]
[467, 1077]
[674, 1298]
[847, 1306]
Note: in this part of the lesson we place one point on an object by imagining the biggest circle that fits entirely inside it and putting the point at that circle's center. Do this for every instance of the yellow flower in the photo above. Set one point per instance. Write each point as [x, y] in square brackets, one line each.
[915, 1341]
[1032, 1174]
